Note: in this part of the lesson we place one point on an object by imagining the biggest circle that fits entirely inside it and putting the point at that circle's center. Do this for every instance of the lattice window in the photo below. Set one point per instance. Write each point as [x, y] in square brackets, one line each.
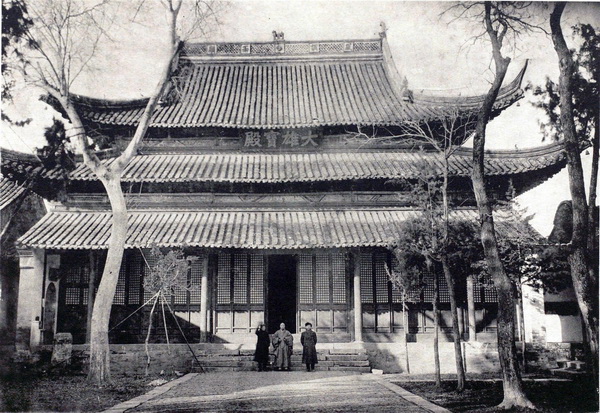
[322, 278]
[381, 278]
[135, 279]
[85, 274]
[490, 295]
[444, 293]
[484, 291]
[149, 262]
[72, 296]
[305, 278]
[73, 275]
[413, 295]
[396, 293]
[338, 274]
[366, 277]
[257, 269]
[240, 278]
[196, 279]
[121, 282]
[428, 287]
[224, 279]
[180, 296]
[477, 292]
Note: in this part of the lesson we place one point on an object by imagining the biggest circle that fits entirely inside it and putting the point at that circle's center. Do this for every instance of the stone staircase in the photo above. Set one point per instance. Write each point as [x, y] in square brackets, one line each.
[242, 360]
[569, 369]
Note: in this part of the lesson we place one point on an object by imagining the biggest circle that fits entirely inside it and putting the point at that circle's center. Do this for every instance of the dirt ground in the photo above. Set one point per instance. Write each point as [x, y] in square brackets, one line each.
[482, 395]
[63, 390]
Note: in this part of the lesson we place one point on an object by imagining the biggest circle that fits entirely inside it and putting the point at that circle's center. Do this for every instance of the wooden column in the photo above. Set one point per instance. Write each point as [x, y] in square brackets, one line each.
[357, 299]
[204, 300]
[91, 294]
[471, 308]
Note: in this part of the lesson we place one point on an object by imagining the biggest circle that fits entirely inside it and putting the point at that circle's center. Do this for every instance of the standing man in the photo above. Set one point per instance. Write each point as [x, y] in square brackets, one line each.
[283, 342]
[309, 350]
[261, 355]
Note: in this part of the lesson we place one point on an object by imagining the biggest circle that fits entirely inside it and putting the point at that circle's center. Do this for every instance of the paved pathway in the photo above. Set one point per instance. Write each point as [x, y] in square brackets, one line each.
[295, 391]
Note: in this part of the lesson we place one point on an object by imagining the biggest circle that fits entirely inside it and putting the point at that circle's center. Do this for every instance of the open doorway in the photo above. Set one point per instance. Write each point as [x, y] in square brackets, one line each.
[281, 300]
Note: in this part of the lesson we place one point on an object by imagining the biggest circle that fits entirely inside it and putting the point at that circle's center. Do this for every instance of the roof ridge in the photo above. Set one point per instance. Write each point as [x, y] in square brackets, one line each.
[526, 152]
[280, 47]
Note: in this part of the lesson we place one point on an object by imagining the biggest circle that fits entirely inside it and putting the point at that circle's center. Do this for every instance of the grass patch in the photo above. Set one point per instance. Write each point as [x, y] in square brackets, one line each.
[484, 395]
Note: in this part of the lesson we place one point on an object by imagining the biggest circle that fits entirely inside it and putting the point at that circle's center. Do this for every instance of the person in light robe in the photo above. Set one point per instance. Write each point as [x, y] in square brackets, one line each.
[261, 355]
[283, 342]
[308, 339]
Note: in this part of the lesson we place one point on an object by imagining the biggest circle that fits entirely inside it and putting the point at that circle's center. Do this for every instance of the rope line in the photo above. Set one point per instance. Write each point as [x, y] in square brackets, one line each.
[139, 308]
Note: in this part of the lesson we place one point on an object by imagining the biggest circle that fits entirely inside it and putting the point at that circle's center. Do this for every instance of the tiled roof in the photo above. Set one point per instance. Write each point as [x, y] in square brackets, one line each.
[321, 166]
[9, 192]
[235, 229]
[289, 89]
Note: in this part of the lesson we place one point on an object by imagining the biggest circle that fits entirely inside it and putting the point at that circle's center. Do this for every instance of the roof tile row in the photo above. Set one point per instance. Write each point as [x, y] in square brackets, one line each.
[237, 229]
[323, 166]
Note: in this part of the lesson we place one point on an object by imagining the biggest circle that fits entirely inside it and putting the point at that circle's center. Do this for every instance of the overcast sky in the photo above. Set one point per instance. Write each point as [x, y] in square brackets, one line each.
[430, 52]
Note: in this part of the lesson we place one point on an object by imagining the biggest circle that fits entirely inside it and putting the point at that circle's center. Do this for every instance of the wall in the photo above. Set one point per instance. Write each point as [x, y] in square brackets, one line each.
[19, 216]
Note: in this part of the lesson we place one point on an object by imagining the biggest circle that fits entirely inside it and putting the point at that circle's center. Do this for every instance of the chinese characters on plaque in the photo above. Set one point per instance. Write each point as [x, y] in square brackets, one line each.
[279, 139]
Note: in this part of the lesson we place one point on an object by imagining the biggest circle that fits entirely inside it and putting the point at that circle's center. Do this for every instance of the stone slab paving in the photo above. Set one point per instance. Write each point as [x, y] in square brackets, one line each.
[295, 391]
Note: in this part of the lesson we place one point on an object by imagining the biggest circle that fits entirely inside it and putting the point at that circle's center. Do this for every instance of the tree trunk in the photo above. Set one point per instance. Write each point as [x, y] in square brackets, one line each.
[99, 370]
[436, 324]
[91, 294]
[460, 371]
[157, 297]
[521, 325]
[585, 283]
[507, 351]
[406, 329]
[449, 276]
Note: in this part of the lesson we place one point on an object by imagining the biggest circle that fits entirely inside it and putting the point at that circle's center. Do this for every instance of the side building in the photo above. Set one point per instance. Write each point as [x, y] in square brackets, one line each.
[282, 171]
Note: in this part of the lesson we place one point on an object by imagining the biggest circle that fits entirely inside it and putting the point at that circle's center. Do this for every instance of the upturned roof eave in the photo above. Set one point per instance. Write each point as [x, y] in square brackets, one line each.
[98, 110]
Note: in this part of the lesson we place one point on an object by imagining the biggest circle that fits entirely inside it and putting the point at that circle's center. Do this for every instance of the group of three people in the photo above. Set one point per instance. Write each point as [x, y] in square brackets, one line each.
[283, 345]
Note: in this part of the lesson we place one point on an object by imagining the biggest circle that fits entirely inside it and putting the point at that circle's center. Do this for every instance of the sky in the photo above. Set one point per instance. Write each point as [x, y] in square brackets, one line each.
[434, 54]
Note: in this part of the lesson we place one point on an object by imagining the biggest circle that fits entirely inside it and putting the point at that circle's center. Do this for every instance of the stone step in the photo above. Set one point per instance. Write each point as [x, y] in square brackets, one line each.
[345, 357]
[352, 363]
[299, 368]
[568, 374]
[571, 364]
[225, 358]
[577, 365]
[342, 351]
[359, 369]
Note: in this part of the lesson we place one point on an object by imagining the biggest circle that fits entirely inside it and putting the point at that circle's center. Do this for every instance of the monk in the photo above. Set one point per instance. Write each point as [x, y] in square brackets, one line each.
[308, 339]
[283, 342]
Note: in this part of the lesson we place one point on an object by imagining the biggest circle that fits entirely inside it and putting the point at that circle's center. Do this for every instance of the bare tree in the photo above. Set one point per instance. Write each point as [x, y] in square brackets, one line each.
[64, 38]
[407, 282]
[583, 272]
[499, 20]
[443, 135]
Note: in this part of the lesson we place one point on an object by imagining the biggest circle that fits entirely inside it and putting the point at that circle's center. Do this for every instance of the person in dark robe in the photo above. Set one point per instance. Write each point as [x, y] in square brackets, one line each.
[283, 342]
[261, 355]
[309, 349]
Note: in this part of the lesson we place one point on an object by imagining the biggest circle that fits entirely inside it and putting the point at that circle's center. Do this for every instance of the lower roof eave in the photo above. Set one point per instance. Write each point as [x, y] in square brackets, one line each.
[248, 229]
